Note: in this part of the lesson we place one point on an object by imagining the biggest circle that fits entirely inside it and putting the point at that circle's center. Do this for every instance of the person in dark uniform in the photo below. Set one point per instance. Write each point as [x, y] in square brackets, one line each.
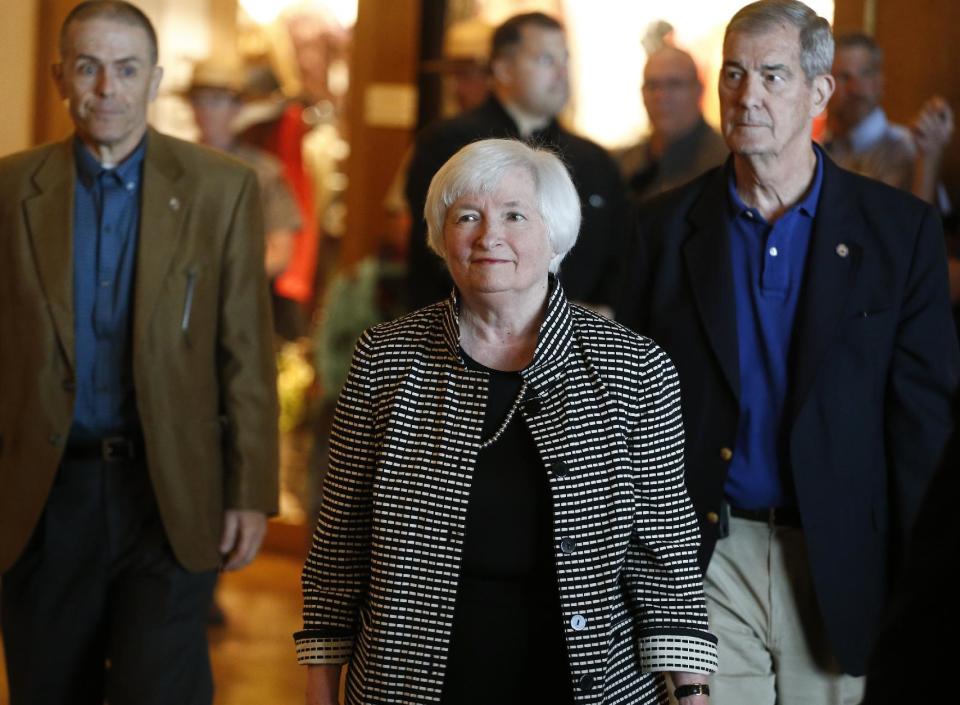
[528, 68]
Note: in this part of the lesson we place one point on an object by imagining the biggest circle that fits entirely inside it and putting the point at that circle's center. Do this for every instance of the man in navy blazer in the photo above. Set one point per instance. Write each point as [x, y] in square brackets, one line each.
[806, 309]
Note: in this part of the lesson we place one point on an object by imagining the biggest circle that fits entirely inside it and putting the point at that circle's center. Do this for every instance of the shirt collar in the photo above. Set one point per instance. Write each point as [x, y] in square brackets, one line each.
[873, 127]
[127, 172]
[554, 340]
[806, 205]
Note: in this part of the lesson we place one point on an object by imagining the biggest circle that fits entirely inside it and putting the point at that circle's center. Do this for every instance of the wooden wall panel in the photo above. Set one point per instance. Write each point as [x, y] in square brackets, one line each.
[383, 73]
[921, 41]
[51, 120]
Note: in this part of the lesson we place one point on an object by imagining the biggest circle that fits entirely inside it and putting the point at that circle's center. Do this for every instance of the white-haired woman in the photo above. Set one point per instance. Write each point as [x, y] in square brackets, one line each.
[504, 519]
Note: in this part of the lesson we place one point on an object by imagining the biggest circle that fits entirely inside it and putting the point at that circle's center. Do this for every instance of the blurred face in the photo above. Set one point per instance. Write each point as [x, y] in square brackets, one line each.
[767, 106]
[534, 76]
[214, 110]
[108, 79]
[496, 242]
[671, 93]
[859, 86]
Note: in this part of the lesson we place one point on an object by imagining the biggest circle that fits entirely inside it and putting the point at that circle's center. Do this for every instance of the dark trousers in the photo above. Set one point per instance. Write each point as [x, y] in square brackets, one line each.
[97, 608]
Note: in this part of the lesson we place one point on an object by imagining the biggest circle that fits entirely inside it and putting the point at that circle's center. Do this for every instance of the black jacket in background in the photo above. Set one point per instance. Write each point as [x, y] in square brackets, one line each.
[589, 272]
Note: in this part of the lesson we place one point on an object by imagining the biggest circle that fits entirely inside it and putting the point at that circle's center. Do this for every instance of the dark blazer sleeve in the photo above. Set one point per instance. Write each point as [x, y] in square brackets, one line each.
[923, 374]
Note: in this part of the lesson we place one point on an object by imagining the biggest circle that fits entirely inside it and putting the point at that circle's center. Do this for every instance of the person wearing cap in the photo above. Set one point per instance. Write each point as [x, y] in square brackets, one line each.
[216, 93]
[530, 86]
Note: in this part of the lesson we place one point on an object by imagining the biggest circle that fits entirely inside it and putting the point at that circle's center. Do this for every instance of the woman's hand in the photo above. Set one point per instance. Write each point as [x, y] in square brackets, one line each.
[323, 685]
[685, 678]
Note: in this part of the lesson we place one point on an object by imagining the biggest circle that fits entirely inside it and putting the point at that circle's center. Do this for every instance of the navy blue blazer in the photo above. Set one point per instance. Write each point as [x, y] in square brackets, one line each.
[873, 364]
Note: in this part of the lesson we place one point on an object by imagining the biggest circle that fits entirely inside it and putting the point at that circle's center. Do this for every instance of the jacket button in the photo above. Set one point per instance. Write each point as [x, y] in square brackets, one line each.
[578, 622]
[585, 683]
[568, 545]
[559, 469]
[533, 406]
[713, 517]
[726, 454]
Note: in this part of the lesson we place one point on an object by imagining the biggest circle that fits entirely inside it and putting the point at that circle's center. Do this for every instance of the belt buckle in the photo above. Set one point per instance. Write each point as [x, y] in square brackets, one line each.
[116, 448]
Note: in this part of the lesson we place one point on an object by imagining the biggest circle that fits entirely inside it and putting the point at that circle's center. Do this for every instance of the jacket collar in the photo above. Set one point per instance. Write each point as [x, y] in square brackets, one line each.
[553, 343]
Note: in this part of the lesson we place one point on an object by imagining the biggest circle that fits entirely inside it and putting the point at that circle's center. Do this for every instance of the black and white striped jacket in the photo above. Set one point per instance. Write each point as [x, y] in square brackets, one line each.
[381, 579]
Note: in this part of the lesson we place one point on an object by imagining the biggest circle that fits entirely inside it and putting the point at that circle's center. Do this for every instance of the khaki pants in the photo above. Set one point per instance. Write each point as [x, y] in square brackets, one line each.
[773, 646]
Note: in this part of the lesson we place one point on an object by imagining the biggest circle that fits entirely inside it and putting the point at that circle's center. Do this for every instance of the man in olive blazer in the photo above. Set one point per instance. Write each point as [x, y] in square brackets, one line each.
[109, 545]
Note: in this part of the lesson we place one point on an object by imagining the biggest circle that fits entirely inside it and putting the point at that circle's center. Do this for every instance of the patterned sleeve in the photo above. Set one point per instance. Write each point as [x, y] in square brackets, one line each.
[337, 569]
[661, 567]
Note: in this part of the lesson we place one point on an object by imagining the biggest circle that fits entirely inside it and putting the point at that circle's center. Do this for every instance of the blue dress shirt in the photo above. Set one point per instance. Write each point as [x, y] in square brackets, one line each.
[768, 265]
[106, 223]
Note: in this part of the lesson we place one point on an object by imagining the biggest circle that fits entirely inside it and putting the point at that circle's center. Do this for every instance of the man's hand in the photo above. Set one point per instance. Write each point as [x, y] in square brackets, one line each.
[243, 531]
[933, 127]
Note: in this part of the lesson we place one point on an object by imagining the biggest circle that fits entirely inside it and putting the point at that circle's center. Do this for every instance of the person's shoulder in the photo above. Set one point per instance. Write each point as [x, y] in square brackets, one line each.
[612, 345]
[16, 167]
[680, 200]
[409, 333]
[579, 147]
[871, 193]
[196, 159]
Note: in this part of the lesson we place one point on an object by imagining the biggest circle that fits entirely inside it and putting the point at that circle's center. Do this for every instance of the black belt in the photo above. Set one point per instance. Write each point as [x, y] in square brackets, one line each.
[775, 516]
[111, 449]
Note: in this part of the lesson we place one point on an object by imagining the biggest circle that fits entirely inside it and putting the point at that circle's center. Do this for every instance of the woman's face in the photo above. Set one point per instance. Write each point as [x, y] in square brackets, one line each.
[496, 242]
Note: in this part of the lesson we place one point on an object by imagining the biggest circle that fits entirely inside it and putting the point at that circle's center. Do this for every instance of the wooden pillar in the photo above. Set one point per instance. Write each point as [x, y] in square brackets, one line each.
[381, 114]
[51, 120]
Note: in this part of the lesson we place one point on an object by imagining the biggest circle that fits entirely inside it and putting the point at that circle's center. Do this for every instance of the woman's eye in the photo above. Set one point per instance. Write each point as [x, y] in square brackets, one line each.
[516, 216]
[466, 218]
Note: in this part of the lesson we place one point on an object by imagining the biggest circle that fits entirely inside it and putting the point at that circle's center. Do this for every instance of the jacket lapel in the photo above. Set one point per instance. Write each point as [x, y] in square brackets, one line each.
[164, 203]
[833, 260]
[49, 219]
[707, 256]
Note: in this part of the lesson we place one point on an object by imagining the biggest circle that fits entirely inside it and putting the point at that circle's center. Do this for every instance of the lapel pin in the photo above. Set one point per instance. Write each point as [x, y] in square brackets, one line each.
[175, 203]
[843, 250]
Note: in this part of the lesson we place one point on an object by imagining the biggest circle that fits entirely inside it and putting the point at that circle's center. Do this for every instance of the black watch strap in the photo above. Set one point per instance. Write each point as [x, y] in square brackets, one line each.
[685, 691]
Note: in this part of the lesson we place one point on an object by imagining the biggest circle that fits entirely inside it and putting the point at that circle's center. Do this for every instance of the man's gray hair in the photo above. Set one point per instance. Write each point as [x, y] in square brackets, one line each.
[481, 166]
[816, 39]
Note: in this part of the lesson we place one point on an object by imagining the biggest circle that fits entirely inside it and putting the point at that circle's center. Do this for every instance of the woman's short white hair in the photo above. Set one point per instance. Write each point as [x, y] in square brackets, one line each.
[481, 166]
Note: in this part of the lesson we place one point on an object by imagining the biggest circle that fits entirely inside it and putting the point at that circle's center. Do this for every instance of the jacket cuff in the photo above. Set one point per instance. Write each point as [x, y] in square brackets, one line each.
[318, 650]
[667, 650]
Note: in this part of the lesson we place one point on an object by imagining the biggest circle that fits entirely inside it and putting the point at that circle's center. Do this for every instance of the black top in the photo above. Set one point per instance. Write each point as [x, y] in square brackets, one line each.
[507, 644]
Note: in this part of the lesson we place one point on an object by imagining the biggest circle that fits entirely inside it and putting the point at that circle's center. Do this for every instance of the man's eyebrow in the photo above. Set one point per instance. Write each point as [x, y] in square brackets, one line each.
[776, 67]
[732, 63]
[122, 60]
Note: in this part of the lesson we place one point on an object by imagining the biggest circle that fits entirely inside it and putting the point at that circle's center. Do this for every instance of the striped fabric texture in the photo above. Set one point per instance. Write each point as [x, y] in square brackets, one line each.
[603, 407]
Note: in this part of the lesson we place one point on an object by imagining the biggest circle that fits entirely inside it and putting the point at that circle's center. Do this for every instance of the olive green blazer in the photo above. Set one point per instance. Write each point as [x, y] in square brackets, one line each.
[203, 365]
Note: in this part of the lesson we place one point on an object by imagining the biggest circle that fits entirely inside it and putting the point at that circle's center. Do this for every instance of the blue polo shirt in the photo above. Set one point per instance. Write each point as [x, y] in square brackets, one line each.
[768, 264]
[106, 223]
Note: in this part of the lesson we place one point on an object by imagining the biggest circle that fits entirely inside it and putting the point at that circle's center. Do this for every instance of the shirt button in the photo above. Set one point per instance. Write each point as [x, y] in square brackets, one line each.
[585, 683]
[104, 282]
[773, 252]
[130, 186]
[559, 469]
[578, 622]
[568, 545]
[749, 214]
[726, 454]
[713, 517]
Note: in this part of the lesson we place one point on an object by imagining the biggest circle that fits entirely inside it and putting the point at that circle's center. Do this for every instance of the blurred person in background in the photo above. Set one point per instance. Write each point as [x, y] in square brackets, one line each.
[530, 86]
[681, 144]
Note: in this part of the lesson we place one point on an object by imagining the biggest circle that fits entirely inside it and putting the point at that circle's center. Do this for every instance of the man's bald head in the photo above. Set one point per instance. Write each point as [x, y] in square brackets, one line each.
[671, 92]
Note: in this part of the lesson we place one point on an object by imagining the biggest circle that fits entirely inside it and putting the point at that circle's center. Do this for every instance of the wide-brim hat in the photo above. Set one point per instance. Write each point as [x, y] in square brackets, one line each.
[220, 74]
[465, 43]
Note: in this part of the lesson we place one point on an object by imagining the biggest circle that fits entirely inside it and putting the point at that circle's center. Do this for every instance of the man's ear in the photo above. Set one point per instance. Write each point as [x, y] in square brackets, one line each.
[156, 76]
[501, 69]
[822, 89]
[56, 70]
